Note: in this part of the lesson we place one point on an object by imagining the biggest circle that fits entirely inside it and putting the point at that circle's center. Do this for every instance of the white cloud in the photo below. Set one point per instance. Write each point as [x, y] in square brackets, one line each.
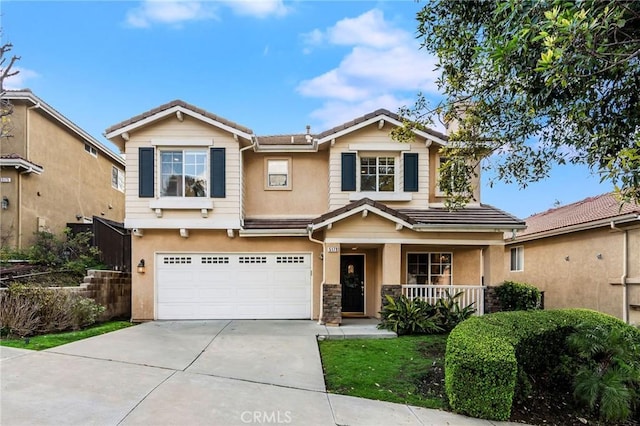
[168, 12]
[19, 80]
[258, 8]
[384, 69]
[368, 29]
[177, 12]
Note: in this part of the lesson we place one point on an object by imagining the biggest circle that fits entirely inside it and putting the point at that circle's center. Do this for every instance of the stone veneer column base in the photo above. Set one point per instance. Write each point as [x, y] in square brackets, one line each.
[393, 290]
[331, 304]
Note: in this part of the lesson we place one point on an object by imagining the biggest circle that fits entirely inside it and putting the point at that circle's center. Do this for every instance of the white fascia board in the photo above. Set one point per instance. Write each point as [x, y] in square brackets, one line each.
[575, 228]
[273, 233]
[415, 242]
[159, 115]
[376, 119]
[285, 149]
[191, 223]
[21, 163]
[358, 210]
[26, 95]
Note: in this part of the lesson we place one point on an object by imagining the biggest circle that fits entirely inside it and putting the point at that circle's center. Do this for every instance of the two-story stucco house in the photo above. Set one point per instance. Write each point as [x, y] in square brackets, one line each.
[52, 173]
[229, 224]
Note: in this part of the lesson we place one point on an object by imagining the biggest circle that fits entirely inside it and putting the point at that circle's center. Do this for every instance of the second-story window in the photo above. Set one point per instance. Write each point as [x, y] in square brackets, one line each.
[183, 173]
[278, 173]
[377, 174]
[117, 178]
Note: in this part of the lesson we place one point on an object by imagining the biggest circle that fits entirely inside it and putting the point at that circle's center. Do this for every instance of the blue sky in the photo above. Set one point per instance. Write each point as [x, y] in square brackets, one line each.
[270, 65]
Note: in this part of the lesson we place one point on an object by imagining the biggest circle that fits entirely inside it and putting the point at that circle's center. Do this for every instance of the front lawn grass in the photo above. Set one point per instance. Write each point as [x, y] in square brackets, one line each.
[39, 343]
[394, 370]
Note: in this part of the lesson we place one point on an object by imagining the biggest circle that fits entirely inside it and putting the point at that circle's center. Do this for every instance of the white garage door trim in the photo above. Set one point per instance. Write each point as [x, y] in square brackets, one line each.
[233, 286]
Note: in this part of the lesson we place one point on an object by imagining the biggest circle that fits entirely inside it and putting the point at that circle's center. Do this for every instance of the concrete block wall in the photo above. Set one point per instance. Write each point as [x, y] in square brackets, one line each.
[111, 289]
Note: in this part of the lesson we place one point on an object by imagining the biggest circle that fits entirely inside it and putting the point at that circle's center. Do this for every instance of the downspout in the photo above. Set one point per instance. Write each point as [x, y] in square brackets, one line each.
[623, 277]
[27, 136]
[324, 270]
[241, 189]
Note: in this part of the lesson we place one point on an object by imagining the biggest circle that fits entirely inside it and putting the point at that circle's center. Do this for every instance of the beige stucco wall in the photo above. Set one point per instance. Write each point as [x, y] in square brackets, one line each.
[208, 241]
[73, 182]
[584, 280]
[309, 186]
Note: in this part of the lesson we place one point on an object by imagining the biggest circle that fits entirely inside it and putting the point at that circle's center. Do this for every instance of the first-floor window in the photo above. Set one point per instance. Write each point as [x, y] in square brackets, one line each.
[377, 174]
[517, 259]
[429, 268]
[183, 173]
[117, 178]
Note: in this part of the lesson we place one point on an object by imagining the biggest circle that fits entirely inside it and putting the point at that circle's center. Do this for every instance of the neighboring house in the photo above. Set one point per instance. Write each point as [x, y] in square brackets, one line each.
[228, 224]
[52, 173]
[585, 254]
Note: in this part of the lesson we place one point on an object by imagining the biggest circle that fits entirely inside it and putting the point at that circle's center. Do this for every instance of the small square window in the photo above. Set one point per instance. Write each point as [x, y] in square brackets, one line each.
[91, 150]
[517, 259]
[278, 173]
[377, 174]
[117, 178]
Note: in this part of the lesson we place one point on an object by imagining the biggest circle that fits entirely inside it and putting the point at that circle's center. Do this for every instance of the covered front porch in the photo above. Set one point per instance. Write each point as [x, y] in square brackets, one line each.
[371, 250]
[358, 277]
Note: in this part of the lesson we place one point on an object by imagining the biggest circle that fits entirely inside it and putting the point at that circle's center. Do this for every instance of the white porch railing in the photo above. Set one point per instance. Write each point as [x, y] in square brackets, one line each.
[431, 294]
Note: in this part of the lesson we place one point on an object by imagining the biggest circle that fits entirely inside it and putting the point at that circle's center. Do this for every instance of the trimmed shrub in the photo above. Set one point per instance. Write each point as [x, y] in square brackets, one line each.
[514, 296]
[28, 310]
[487, 355]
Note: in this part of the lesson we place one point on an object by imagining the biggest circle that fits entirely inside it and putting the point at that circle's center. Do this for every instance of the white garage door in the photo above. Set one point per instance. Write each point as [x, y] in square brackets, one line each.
[233, 286]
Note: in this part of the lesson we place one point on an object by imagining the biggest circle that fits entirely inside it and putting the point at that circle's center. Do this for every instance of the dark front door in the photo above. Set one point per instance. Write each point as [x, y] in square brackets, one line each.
[352, 280]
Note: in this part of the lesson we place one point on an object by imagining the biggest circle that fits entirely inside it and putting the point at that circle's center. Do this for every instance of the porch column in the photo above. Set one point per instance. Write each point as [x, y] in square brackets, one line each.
[331, 288]
[391, 273]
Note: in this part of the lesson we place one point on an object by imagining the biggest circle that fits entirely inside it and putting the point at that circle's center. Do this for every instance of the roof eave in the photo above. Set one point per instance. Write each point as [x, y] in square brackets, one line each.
[447, 227]
[360, 209]
[617, 220]
[28, 95]
[272, 232]
[172, 110]
[373, 120]
[20, 163]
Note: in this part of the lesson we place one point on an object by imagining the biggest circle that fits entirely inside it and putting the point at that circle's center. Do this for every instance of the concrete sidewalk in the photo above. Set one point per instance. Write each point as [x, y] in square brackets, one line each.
[191, 373]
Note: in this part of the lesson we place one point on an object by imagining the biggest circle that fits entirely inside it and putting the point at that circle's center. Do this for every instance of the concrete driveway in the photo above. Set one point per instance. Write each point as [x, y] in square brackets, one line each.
[190, 373]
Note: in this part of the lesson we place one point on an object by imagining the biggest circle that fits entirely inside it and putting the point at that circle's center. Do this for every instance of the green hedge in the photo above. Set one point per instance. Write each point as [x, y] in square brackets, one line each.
[486, 354]
[515, 296]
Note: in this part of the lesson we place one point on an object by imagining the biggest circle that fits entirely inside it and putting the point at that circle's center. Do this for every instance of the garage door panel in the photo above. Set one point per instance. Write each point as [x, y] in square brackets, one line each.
[226, 286]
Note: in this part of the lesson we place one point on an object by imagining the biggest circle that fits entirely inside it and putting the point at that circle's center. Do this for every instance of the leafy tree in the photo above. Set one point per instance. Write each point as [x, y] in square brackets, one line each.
[534, 84]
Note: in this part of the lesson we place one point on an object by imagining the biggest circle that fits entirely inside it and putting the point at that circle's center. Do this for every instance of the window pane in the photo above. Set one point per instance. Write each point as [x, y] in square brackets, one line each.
[195, 181]
[278, 173]
[171, 173]
[114, 177]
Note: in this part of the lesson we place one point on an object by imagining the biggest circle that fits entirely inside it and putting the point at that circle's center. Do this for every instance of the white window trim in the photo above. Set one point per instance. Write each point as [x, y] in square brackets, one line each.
[93, 151]
[380, 195]
[117, 186]
[439, 192]
[177, 201]
[267, 187]
[520, 258]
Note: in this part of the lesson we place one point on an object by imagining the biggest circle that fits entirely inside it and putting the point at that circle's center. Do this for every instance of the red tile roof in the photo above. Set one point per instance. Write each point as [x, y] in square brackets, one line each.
[592, 209]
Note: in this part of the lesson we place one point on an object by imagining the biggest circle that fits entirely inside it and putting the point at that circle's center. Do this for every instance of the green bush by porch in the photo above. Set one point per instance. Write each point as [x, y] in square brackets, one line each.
[488, 357]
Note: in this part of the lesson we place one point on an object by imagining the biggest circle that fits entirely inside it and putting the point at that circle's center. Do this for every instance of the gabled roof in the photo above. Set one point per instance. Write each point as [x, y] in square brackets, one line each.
[373, 117]
[174, 107]
[27, 95]
[469, 218]
[589, 213]
[20, 163]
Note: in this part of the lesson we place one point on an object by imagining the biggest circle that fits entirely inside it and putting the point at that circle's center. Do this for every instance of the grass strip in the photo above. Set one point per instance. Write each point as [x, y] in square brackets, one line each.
[47, 341]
